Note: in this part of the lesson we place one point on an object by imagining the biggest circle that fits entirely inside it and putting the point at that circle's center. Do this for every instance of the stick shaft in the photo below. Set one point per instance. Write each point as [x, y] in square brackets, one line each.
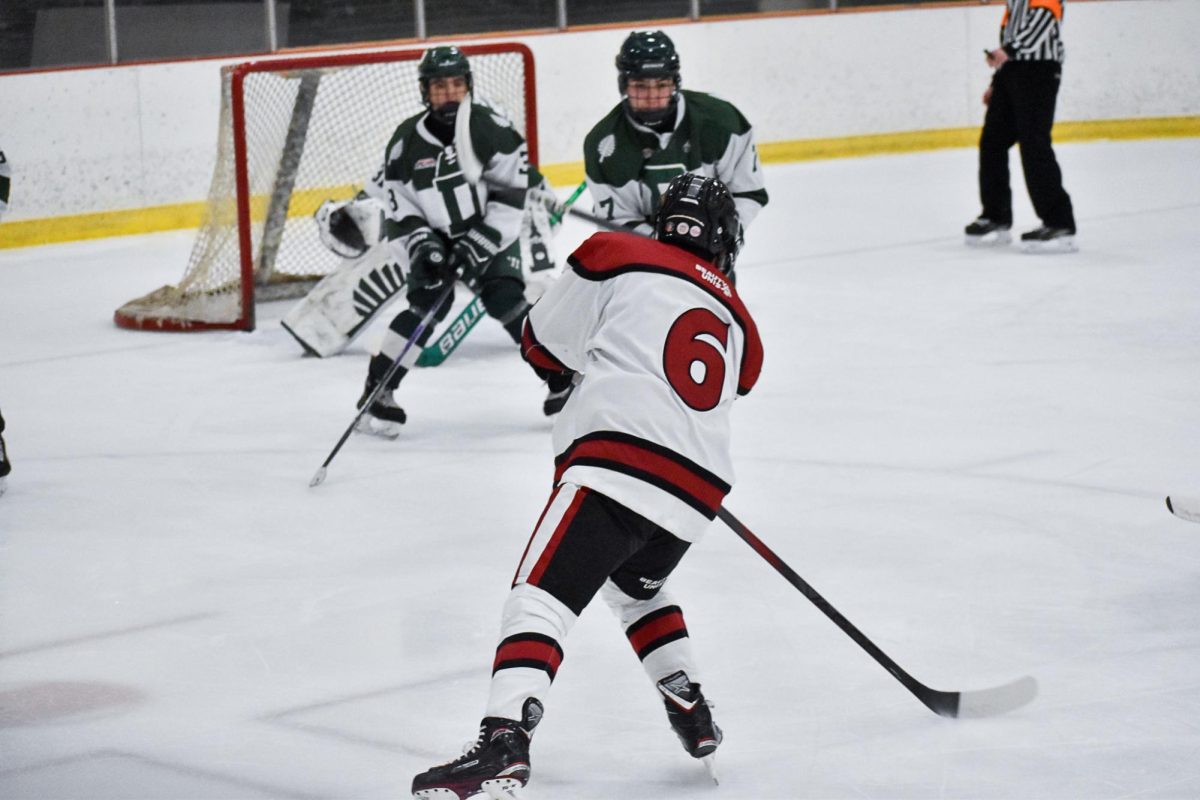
[945, 703]
[379, 387]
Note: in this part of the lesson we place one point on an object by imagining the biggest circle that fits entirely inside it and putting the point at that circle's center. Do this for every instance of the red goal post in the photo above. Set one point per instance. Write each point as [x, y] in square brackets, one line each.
[293, 132]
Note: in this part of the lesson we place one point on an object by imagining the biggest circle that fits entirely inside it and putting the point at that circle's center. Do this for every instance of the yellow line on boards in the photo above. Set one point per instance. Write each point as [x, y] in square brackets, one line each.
[78, 227]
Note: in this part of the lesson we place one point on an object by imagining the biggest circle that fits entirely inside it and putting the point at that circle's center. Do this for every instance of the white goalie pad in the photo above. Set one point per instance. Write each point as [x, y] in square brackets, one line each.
[341, 306]
[345, 302]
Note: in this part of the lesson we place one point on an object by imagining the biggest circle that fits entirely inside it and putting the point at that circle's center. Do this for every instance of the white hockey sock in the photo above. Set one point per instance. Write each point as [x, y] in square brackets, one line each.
[656, 631]
[532, 627]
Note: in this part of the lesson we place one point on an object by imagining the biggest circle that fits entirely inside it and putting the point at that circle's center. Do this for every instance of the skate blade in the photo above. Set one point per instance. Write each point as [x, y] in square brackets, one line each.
[993, 239]
[502, 789]
[378, 427]
[710, 764]
[1065, 244]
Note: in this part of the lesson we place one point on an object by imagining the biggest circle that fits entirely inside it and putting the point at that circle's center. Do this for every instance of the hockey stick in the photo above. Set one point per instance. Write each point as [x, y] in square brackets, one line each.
[982, 703]
[434, 355]
[319, 476]
[1184, 507]
[558, 212]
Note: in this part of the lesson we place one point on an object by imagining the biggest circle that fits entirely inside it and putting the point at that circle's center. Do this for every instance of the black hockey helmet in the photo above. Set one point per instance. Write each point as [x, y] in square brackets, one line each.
[698, 214]
[648, 54]
[444, 61]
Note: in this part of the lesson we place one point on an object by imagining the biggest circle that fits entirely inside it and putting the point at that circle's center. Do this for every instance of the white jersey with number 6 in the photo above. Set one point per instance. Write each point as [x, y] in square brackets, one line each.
[664, 345]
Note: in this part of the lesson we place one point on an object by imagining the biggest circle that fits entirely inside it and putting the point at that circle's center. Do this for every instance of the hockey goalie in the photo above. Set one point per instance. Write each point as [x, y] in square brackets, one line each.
[419, 222]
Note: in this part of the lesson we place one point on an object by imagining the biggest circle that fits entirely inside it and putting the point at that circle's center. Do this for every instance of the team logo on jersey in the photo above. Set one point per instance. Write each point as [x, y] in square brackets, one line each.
[608, 146]
[425, 163]
[719, 283]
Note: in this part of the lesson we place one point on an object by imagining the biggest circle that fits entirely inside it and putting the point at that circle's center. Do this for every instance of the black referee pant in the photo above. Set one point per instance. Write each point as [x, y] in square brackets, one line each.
[1021, 112]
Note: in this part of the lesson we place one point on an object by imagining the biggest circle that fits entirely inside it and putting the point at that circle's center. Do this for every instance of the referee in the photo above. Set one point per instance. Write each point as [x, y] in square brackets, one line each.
[1020, 110]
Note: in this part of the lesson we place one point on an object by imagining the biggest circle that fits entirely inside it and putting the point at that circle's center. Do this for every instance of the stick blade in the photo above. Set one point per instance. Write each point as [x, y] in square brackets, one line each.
[318, 478]
[997, 700]
[1184, 507]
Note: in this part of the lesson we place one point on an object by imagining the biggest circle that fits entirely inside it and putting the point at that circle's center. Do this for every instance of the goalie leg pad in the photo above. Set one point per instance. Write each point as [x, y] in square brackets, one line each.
[341, 306]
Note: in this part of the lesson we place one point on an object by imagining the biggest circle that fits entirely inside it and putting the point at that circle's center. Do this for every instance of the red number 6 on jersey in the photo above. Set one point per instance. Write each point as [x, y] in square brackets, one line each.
[684, 348]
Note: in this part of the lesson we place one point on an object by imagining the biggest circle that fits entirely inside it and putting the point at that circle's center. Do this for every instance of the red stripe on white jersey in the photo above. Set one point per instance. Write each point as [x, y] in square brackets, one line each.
[563, 506]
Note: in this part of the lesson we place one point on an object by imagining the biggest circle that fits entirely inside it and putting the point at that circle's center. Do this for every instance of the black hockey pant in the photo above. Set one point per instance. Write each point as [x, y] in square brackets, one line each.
[1021, 112]
[584, 544]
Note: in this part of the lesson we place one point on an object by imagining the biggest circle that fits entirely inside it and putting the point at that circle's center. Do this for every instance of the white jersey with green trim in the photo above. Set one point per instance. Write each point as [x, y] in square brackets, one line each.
[422, 186]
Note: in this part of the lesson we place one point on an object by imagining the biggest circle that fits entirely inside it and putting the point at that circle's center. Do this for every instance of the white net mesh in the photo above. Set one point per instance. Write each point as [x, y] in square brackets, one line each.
[311, 134]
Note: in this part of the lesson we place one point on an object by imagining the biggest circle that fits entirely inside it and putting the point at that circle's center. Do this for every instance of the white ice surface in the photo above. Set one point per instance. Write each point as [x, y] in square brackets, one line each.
[965, 451]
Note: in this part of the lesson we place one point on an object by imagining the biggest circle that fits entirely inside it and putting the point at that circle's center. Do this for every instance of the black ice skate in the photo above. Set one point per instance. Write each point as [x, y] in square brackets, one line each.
[496, 766]
[983, 232]
[384, 417]
[691, 718]
[1047, 239]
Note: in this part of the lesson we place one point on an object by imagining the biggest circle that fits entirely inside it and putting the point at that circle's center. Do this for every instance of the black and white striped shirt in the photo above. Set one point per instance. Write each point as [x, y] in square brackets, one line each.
[1032, 30]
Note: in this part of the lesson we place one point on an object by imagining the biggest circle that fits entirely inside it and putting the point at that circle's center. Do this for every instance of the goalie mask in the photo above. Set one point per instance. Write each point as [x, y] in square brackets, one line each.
[647, 55]
[443, 62]
[698, 214]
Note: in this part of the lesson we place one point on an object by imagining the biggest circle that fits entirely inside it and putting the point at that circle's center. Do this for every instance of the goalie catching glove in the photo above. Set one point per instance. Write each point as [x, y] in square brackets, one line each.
[350, 227]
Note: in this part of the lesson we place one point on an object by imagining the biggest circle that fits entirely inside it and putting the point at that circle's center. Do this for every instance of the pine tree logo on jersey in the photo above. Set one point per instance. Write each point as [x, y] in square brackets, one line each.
[608, 146]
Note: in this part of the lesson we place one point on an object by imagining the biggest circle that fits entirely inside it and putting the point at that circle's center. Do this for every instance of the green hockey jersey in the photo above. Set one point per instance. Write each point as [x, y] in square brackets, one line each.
[422, 185]
[629, 165]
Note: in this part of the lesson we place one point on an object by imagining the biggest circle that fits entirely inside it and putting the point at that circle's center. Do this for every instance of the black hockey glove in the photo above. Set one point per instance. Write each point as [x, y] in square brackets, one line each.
[473, 251]
[428, 263]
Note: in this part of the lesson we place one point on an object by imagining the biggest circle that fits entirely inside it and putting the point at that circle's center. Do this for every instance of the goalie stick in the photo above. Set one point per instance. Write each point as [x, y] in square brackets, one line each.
[981, 703]
[1184, 507]
[319, 476]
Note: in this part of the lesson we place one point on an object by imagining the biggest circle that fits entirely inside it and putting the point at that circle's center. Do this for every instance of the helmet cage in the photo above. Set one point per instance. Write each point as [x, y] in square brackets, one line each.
[442, 62]
[648, 54]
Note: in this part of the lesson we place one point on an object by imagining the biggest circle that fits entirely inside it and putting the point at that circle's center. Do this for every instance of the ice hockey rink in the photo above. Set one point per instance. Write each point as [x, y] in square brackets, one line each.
[966, 451]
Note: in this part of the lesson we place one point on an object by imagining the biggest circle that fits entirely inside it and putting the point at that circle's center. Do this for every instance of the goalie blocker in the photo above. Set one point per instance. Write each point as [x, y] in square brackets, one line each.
[329, 318]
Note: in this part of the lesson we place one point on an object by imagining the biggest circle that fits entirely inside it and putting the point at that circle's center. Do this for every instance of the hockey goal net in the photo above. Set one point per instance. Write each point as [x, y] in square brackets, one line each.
[294, 132]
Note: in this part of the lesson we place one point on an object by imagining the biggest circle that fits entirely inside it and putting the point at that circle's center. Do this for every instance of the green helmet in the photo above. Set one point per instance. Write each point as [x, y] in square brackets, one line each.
[648, 54]
[442, 62]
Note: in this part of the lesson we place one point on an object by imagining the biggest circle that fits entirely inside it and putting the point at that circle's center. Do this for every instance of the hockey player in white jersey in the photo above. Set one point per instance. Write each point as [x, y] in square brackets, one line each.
[439, 227]
[662, 345]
